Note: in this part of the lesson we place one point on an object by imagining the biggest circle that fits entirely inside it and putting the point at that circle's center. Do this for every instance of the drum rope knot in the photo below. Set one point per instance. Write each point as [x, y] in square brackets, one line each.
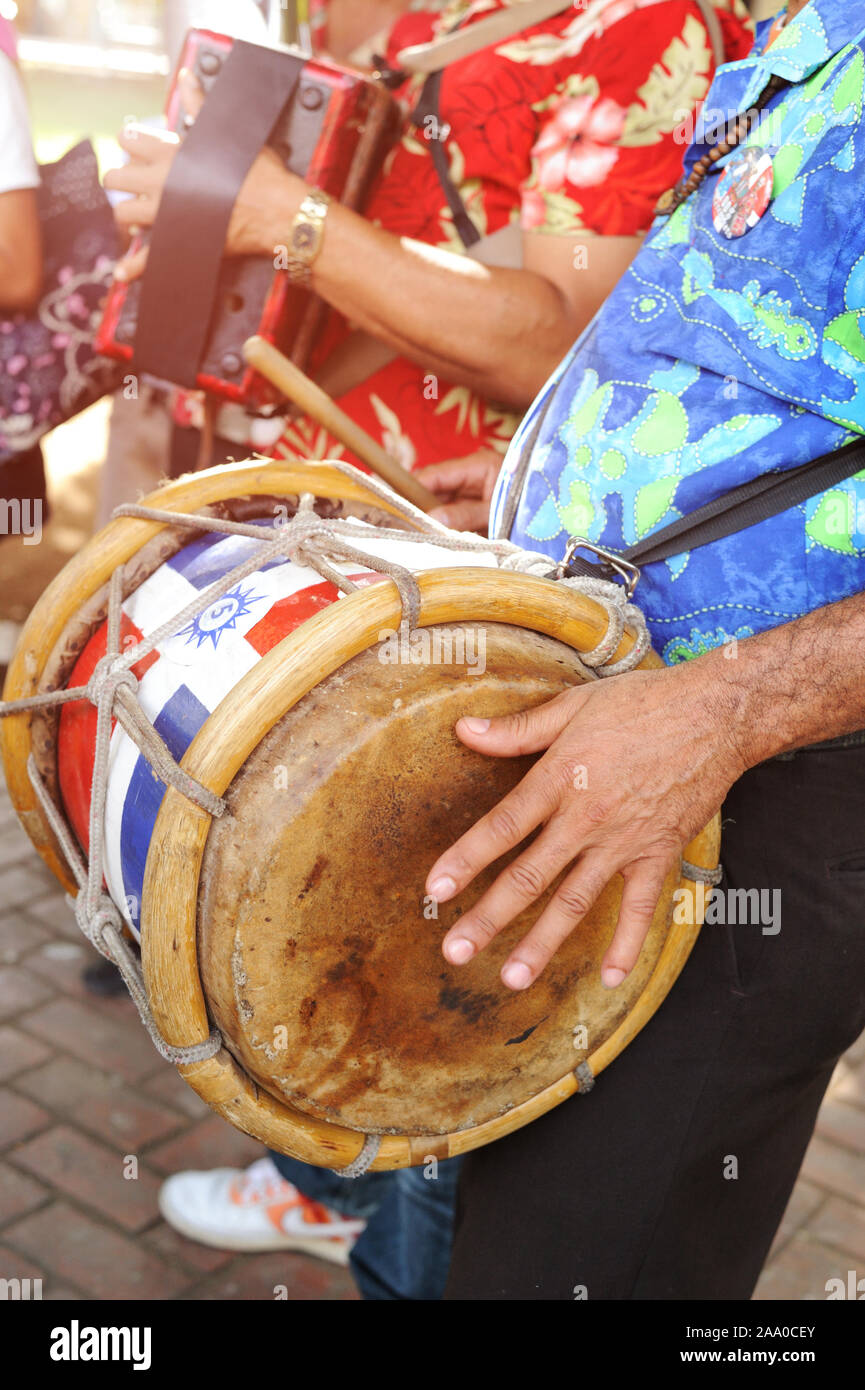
[623, 616]
[110, 673]
[94, 924]
[113, 689]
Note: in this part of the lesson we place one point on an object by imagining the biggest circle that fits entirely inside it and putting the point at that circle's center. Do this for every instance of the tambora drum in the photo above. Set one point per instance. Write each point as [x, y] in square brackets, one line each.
[280, 771]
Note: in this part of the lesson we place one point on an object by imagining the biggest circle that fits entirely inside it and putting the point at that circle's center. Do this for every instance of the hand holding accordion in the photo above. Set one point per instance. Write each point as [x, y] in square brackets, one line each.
[187, 320]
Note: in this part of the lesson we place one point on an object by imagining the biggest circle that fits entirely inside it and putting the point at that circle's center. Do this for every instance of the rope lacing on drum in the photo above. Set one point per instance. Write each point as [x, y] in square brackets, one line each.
[102, 924]
[364, 1160]
[585, 1078]
[113, 687]
[697, 874]
[315, 540]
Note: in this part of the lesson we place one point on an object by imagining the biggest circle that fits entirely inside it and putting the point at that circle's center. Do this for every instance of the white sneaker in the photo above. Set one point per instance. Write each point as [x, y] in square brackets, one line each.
[255, 1210]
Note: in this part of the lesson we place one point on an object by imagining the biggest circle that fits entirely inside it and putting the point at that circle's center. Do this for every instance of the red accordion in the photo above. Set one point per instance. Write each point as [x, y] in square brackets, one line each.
[186, 321]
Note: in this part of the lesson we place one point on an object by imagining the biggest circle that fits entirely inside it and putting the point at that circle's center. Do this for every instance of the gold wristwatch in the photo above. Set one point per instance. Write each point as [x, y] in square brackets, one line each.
[306, 237]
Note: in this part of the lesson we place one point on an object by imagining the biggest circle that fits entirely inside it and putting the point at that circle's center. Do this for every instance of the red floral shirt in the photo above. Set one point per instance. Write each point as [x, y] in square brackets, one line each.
[566, 133]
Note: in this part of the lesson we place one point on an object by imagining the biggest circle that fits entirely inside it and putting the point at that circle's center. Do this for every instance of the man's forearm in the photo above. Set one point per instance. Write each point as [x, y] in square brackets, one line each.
[446, 312]
[501, 332]
[798, 684]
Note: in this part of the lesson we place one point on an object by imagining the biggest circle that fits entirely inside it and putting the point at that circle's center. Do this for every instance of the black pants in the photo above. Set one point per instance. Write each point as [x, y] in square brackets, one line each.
[669, 1180]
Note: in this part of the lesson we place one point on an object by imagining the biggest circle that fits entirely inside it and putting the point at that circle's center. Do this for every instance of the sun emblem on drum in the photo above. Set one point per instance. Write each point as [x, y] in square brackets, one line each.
[221, 617]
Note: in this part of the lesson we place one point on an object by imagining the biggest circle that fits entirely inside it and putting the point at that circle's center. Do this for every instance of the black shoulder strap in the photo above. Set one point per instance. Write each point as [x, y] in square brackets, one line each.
[738, 510]
[429, 106]
[427, 117]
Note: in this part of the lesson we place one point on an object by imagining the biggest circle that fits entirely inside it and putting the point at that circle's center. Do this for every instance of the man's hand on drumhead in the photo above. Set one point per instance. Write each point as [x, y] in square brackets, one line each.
[636, 766]
[466, 487]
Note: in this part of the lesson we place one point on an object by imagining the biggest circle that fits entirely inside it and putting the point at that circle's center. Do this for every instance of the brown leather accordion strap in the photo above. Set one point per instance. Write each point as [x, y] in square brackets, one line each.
[178, 293]
[429, 109]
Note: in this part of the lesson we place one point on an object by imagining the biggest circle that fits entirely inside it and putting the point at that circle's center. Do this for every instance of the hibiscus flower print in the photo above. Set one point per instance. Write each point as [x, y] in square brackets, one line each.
[578, 143]
[577, 148]
[569, 122]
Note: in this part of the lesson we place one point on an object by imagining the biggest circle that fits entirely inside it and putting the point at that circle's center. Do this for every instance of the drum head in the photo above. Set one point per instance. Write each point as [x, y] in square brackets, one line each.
[320, 955]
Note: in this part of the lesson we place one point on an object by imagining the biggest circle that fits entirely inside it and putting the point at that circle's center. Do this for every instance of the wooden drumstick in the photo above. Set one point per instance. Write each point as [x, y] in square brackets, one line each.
[297, 387]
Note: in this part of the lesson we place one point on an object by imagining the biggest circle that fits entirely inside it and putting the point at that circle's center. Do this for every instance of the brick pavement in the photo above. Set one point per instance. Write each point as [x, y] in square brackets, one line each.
[81, 1088]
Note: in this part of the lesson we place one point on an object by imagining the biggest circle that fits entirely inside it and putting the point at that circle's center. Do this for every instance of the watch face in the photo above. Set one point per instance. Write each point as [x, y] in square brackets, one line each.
[303, 238]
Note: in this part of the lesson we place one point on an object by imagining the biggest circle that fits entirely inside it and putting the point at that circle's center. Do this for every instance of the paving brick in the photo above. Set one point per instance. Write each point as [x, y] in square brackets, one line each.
[76, 1165]
[59, 962]
[19, 1118]
[100, 1102]
[25, 884]
[805, 1200]
[14, 1265]
[52, 912]
[86, 1253]
[256, 1277]
[15, 843]
[211, 1143]
[801, 1271]
[176, 1249]
[18, 1052]
[842, 1124]
[120, 1045]
[168, 1086]
[18, 936]
[62, 963]
[837, 1169]
[20, 991]
[842, 1224]
[18, 1194]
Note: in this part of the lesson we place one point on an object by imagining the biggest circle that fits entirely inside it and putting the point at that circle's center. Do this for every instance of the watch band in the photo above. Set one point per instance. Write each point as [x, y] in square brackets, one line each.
[306, 237]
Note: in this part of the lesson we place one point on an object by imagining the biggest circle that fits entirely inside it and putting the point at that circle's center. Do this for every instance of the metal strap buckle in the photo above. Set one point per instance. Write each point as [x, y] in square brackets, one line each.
[627, 572]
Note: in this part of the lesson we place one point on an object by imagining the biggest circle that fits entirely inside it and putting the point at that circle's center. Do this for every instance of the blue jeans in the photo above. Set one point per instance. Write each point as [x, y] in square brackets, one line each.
[405, 1251]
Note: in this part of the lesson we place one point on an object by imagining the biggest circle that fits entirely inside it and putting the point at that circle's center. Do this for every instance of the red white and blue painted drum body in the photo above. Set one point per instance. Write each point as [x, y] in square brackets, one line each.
[182, 682]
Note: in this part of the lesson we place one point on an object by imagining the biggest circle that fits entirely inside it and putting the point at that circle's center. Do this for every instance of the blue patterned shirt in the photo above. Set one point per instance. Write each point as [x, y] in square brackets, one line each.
[715, 360]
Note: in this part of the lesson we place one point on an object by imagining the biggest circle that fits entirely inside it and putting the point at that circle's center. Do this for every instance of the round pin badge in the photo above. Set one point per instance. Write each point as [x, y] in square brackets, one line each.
[744, 192]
